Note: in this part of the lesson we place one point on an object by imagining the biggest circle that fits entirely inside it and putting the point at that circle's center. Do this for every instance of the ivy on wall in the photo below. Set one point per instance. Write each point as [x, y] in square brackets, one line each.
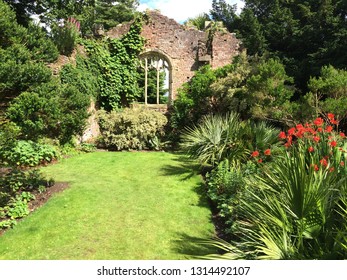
[115, 62]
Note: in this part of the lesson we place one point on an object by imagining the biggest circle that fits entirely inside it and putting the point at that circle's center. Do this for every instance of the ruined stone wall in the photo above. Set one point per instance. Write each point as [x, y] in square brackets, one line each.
[185, 49]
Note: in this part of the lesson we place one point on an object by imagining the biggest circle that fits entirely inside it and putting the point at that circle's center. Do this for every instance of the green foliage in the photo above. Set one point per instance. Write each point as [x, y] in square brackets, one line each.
[328, 92]
[304, 35]
[80, 77]
[65, 36]
[109, 14]
[18, 181]
[216, 138]
[225, 186]
[53, 110]
[197, 22]
[28, 153]
[9, 133]
[131, 129]
[115, 62]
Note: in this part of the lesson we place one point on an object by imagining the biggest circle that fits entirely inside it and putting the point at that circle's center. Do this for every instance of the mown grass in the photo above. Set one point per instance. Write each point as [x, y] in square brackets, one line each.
[129, 205]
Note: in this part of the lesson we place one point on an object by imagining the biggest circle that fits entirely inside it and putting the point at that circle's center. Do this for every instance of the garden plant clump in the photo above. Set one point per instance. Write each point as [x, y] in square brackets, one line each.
[294, 206]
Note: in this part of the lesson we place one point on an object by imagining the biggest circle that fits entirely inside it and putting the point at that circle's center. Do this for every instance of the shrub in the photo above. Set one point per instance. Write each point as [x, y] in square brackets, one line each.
[53, 110]
[226, 185]
[131, 129]
[29, 153]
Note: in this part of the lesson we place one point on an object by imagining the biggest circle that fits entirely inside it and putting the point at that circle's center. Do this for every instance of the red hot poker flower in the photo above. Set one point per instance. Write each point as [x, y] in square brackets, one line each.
[329, 128]
[316, 139]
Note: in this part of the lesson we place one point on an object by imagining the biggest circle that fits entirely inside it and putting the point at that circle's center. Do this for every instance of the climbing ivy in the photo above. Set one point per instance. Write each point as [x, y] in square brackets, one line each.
[115, 63]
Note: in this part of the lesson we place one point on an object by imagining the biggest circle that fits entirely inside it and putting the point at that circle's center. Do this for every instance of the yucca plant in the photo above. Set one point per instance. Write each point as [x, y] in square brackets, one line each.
[216, 138]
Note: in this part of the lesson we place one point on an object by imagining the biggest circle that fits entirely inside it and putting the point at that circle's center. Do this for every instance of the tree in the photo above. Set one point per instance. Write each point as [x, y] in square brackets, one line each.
[328, 92]
[304, 35]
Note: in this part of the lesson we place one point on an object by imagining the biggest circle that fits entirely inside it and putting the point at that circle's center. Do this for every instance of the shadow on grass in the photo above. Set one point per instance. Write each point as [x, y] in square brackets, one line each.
[192, 247]
[187, 167]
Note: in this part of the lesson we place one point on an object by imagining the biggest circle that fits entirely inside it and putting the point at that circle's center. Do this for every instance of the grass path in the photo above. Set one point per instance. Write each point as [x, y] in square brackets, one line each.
[119, 206]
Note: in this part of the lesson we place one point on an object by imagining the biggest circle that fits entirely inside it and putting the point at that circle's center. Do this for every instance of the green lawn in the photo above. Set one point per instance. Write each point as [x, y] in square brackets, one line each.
[126, 205]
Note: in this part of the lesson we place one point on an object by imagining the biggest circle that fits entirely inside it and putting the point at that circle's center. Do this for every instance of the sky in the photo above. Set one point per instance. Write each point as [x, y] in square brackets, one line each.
[181, 10]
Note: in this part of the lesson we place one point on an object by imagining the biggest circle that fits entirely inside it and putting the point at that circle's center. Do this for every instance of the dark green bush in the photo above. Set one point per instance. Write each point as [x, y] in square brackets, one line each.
[54, 110]
[131, 129]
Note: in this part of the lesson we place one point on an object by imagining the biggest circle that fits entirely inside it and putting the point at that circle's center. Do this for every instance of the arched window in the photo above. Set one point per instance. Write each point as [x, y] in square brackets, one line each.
[156, 72]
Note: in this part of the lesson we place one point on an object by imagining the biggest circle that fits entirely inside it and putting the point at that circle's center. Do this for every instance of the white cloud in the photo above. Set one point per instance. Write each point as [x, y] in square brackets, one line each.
[181, 10]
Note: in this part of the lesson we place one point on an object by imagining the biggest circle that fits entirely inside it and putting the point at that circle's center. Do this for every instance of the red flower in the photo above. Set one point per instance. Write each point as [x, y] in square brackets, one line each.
[310, 149]
[255, 154]
[291, 131]
[319, 129]
[300, 127]
[318, 121]
[323, 162]
[334, 122]
[329, 128]
[342, 163]
[282, 135]
[316, 168]
[342, 135]
[267, 152]
[333, 143]
[316, 139]
[331, 169]
[331, 116]
[260, 160]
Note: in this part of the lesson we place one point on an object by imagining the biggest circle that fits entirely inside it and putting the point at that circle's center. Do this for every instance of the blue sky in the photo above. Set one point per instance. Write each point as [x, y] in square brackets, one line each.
[180, 10]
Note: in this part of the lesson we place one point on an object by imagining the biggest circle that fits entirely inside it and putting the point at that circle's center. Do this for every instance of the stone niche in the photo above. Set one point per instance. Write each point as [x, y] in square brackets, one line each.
[185, 49]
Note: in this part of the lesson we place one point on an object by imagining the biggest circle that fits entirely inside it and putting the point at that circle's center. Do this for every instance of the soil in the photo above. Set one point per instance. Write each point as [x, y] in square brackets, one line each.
[42, 198]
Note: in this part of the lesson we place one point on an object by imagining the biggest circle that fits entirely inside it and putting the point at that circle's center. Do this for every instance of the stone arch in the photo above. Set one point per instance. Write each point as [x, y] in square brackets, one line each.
[156, 53]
